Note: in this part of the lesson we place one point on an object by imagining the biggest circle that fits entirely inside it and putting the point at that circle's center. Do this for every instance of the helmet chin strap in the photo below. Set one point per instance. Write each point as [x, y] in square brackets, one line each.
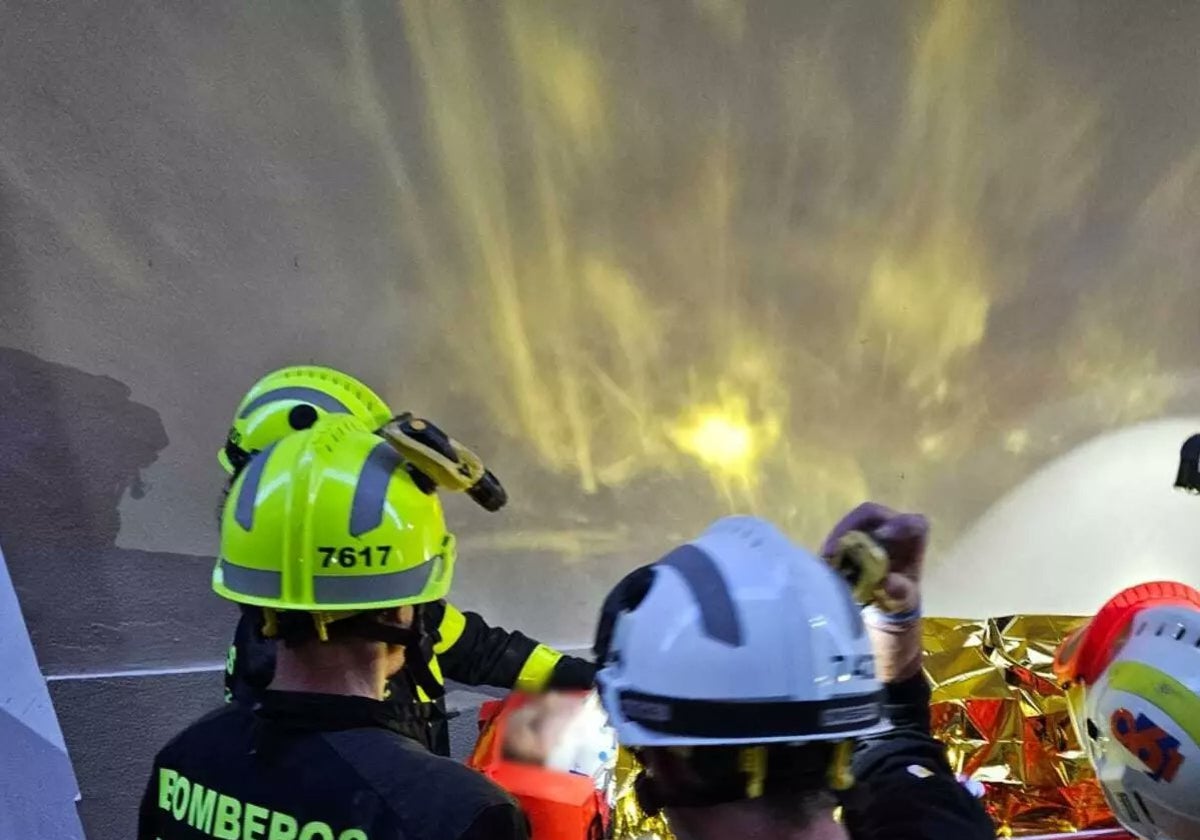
[416, 640]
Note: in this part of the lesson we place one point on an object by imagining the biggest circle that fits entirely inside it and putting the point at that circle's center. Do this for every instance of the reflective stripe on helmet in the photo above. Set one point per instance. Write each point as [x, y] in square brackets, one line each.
[721, 719]
[1160, 688]
[355, 589]
[244, 513]
[370, 491]
[336, 589]
[320, 399]
[717, 613]
[257, 583]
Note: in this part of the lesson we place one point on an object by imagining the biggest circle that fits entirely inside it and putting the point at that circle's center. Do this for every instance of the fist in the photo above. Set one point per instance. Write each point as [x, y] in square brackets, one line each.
[903, 536]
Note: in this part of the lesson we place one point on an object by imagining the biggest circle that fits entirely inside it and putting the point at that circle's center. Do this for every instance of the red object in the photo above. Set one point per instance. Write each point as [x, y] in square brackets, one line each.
[560, 806]
[1089, 650]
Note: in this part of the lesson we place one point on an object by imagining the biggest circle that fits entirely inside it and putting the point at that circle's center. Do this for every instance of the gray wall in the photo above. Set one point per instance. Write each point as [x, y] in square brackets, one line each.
[913, 250]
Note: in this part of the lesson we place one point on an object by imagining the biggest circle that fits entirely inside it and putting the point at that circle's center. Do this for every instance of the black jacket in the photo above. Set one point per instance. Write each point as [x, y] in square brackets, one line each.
[469, 651]
[335, 765]
[905, 788]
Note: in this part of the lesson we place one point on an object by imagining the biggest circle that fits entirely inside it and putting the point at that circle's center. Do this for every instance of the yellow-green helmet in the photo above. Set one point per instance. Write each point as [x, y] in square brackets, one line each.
[328, 520]
[291, 399]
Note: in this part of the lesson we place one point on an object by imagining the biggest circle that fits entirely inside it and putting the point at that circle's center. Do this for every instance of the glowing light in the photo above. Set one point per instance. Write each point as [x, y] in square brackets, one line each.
[719, 441]
[1016, 441]
[643, 280]
[730, 441]
[932, 445]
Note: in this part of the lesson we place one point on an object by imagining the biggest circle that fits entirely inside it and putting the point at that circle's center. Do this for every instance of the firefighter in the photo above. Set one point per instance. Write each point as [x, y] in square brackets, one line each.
[341, 553]
[741, 672]
[1132, 679]
[467, 650]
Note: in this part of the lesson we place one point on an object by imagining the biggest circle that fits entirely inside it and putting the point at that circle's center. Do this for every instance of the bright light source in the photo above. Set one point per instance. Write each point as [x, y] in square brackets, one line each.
[724, 438]
[718, 440]
[1016, 441]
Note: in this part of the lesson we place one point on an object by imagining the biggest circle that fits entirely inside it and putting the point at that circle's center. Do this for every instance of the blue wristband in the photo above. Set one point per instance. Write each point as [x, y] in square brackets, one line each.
[875, 615]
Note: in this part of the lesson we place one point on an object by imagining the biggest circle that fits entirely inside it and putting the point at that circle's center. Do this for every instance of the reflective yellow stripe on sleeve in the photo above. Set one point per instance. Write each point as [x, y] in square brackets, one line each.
[436, 668]
[451, 629]
[536, 671]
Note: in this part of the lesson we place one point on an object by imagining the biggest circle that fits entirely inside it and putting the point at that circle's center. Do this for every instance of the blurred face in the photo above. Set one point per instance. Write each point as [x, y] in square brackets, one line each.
[535, 729]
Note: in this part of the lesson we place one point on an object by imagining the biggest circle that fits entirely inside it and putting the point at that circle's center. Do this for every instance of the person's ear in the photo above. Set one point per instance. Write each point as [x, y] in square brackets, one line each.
[403, 616]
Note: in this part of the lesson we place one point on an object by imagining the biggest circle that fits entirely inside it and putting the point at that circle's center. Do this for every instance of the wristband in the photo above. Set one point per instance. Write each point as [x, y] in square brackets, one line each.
[874, 615]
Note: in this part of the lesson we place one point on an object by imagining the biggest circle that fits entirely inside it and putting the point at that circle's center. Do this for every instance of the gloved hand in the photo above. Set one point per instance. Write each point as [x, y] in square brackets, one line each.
[903, 536]
[896, 628]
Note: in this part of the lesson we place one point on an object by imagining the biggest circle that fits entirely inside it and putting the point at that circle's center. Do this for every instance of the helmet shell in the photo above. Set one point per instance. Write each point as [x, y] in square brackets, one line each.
[1140, 724]
[290, 400]
[328, 519]
[737, 622]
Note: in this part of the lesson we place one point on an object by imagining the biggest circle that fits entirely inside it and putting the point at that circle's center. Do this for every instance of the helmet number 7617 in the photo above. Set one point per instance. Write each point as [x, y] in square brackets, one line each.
[348, 556]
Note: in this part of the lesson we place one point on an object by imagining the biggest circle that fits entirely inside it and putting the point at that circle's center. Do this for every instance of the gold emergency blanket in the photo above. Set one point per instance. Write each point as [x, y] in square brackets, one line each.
[1005, 722]
[1002, 718]
[629, 821]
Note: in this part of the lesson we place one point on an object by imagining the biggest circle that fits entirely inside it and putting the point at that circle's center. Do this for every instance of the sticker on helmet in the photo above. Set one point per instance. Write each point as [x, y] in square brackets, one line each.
[1152, 745]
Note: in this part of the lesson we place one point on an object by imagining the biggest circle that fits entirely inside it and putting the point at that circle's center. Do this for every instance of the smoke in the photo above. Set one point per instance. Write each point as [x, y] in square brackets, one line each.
[763, 251]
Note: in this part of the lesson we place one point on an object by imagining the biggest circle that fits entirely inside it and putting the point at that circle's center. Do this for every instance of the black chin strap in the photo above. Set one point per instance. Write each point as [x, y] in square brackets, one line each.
[416, 640]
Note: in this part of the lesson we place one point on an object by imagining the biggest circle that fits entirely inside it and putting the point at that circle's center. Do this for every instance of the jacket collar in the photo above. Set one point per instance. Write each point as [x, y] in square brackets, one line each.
[330, 712]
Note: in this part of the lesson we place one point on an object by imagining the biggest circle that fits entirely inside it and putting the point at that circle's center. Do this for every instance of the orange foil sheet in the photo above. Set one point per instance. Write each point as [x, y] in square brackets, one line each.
[1004, 722]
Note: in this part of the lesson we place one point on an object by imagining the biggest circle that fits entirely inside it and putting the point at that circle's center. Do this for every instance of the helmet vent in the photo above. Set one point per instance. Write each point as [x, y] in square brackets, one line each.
[1160, 630]
[1131, 815]
[1141, 629]
[302, 416]
[1180, 631]
[1141, 804]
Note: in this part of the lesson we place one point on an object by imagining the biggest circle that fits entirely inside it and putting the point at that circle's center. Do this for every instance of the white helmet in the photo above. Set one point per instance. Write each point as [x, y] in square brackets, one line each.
[1135, 678]
[738, 637]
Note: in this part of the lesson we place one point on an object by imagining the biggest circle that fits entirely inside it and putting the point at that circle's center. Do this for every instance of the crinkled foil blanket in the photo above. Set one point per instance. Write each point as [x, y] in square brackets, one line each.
[1002, 718]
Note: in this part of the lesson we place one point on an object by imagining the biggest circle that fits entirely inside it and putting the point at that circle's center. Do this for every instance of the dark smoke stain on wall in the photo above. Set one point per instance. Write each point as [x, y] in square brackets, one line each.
[72, 444]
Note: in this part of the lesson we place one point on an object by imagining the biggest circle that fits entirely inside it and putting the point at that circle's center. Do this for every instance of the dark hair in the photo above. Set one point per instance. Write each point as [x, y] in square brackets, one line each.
[795, 786]
[296, 628]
